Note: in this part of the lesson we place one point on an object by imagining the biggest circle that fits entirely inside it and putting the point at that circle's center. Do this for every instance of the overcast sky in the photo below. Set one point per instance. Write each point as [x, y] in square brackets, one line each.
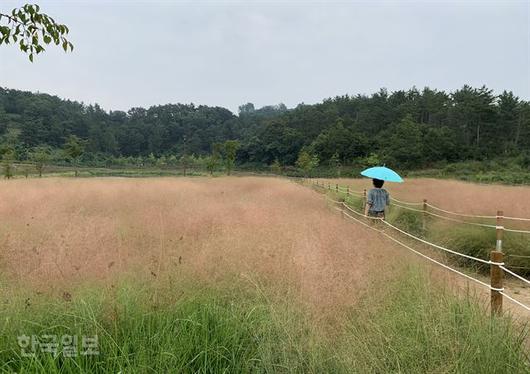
[226, 53]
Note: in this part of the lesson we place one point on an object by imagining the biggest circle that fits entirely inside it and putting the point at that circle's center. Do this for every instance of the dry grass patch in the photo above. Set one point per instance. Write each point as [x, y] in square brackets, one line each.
[62, 232]
[224, 275]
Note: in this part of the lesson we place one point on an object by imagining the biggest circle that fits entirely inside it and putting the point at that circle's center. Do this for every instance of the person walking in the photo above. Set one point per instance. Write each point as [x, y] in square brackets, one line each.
[377, 200]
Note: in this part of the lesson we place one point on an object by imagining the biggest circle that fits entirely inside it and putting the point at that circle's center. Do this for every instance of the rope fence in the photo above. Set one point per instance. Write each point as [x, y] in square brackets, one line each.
[460, 214]
[515, 301]
[402, 204]
[498, 267]
[514, 274]
[423, 255]
[448, 218]
[518, 256]
[518, 267]
[439, 246]
[477, 216]
[405, 202]
[360, 193]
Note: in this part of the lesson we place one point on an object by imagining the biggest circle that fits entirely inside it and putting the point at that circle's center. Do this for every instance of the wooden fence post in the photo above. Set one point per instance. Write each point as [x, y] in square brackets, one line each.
[424, 217]
[329, 186]
[499, 230]
[364, 198]
[348, 190]
[337, 187]
[496, 282]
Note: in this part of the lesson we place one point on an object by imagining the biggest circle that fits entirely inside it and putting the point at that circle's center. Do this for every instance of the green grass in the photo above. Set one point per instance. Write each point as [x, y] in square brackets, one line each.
[480, 241]
[29, 171]
[409, 326]
[501, 171]
[232, 327]
[407, 220]
[421, 328]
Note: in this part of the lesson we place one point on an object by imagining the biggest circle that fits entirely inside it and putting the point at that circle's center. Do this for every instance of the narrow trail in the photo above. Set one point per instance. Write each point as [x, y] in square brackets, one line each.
[462, 285]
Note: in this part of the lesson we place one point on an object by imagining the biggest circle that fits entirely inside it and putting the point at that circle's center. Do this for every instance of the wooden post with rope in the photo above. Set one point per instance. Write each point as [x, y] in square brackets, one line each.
[424, 216]
[500, 230]
[364, 198]
[496, 273]
[497, 277]
[348, 190]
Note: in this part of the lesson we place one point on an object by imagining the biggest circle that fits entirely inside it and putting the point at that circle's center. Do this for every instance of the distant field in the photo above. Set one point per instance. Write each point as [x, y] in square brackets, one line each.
[232, 274]
[67, 230]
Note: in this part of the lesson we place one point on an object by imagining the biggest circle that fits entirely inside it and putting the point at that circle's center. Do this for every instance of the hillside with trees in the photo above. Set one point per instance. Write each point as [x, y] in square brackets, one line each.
[409, 129]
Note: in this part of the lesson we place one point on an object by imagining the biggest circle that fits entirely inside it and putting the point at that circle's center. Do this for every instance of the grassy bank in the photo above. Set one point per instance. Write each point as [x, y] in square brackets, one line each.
[410, 326]
[500, 171]
[503, 171]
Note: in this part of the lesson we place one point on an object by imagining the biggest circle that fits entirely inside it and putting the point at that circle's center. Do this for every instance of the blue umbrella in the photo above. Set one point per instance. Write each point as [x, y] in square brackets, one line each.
[383, 173]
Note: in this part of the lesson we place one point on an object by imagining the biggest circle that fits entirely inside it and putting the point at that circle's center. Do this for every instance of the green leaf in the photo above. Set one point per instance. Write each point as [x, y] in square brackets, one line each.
[47, 39]
[31, 57]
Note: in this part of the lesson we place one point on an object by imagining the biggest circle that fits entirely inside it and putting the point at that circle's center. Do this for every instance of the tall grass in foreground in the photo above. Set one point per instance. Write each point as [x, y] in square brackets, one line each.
[412, 326]
[420, 328]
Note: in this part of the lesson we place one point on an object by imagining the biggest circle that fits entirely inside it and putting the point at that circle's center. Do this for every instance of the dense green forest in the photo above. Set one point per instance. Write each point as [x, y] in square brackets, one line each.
[407, 129]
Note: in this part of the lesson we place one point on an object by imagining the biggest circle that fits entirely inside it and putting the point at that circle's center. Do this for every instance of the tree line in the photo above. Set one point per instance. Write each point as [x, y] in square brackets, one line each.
[410, 129]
